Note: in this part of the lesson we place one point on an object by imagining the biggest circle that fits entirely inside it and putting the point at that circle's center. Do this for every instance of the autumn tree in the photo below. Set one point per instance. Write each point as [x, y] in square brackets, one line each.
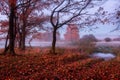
[23, 14]
[11, 30]
[30, 19]
[64, 13]
[24, 17]
[11, 8]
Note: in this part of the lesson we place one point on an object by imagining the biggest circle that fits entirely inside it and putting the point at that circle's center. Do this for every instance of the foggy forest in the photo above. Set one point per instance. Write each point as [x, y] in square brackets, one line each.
[59, 40]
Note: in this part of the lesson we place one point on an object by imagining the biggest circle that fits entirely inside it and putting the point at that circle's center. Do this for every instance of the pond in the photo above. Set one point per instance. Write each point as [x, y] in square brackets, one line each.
[105, 56]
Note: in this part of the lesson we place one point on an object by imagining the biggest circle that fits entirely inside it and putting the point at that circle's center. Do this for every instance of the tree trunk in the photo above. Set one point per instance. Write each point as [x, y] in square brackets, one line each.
[54, 41]
[11, 35]
[6, 42]
[23, 42]
[20, 37]
[20, 40]
[30, 42]
[23, 35]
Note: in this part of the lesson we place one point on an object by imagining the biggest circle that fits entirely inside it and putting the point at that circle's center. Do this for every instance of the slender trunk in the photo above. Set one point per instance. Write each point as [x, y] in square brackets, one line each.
[6, 42]
[23, 42]
[6, 47]
[15, 31]
[20, 37]
[54, 41]
[23, 36]
[20, 40]
[30, 42]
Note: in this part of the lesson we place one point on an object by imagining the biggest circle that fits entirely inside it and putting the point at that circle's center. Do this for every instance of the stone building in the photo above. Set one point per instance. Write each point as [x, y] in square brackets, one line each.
[72, 33]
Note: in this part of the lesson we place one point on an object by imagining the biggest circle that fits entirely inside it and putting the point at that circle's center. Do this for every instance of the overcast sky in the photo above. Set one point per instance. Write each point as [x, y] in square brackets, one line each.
[107, 29]
[103, 30]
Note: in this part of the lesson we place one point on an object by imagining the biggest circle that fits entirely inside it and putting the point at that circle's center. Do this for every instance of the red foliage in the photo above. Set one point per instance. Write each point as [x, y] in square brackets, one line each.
[4, 23]
[12, 3]
[66, 66]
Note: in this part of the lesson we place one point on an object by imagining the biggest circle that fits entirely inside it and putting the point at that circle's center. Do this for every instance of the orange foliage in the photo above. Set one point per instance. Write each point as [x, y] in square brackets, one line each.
[67, 66]
[12, 2]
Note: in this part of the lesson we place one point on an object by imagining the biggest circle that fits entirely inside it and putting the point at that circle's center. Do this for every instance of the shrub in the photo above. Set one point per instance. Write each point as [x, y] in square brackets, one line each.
[107, 39]
[116, 39]
[87, 47]
[87, 43]
[90, 38]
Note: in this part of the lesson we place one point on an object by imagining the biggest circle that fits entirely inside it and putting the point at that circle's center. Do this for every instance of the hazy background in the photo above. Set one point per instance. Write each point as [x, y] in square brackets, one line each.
[102, 31]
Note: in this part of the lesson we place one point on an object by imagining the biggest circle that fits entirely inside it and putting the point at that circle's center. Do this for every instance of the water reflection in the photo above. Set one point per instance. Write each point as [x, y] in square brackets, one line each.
[105, 56]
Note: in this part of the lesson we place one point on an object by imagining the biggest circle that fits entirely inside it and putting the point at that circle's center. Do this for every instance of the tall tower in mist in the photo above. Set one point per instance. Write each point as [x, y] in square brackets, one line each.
[72, 33]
